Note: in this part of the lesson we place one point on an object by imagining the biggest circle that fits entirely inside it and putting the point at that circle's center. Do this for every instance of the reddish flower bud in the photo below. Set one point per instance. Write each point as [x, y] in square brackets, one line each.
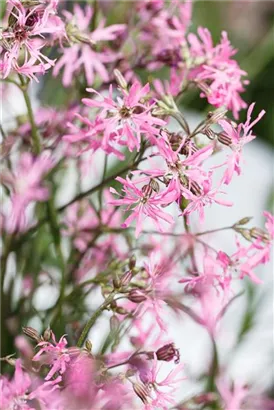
[168, 352]
[136, 296]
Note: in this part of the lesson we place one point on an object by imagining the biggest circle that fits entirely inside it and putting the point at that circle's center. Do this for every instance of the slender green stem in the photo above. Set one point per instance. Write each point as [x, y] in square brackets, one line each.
[100, 194]
[34, 132]
[6, 338]
[93, 319]
[54, 227]
[94, 16]
[225, 228]
[214, 368]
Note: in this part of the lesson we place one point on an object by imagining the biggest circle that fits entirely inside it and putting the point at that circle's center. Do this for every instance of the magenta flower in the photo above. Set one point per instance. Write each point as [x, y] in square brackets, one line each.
[26, 186]
[81, 54]
[128, 118]
[144, 203]
[239, 136]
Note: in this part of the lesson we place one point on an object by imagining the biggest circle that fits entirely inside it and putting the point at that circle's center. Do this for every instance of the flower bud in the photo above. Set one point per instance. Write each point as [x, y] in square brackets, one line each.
[47, 334]
[121, 81]
[257, 233]
[243, 221]
[126, 278]
[114, 323]
[136, 296]
[142, 392]
[224, 139]
[132, 262]
[121, 311]
[154, 185]
[88, 345]
[244, 232]
[32, 333]
[168, 352]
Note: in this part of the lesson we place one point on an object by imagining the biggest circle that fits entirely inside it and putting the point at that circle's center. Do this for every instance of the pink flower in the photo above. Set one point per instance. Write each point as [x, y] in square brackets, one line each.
[57, 355]
[26, 34]
[239, 136]
[199, 201]
[162, 392]
[232, 396]
[19, 392]
[144, 203]
[90, 136]
[80, 220]
[127, 118]
[215, 72]
[26, 185]
[81, 54]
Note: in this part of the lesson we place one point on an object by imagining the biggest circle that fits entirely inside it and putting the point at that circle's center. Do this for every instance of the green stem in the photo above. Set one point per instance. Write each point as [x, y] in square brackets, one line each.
[34, 132]
[54, 227]
[93, 319]
[3, 266]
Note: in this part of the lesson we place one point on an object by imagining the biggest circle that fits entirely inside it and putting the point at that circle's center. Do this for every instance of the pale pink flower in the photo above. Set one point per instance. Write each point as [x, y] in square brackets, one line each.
[239, 136]
[81, 221]
[233, 396]
[26, 186]
[81, 54]
[128, 117]
[144, 203]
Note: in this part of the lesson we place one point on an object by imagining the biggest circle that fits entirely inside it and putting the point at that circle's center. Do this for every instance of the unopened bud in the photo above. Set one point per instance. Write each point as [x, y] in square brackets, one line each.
[113, 304]
[32, 333]
[209, 133]
[116, 282]
[136, 296]
[258, 233]
[126, 278]
[214, 116]
[132, 262]
[244, 232]
[154, 185]
[88, 345]
[47, 334]
[120, 79]
[121, 311]
[114, 323]
[168, 352]
[142, 392]
[244, 221]
[224, 139]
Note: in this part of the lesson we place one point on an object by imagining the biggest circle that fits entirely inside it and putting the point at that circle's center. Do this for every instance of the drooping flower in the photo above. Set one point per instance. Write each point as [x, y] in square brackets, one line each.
[145, 202]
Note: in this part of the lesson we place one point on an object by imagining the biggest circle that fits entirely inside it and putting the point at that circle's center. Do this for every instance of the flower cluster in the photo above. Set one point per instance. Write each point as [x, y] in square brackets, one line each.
[105, 192]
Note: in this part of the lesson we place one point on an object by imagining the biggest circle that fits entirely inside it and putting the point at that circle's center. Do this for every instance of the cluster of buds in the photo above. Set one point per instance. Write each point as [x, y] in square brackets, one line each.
[251, 233]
